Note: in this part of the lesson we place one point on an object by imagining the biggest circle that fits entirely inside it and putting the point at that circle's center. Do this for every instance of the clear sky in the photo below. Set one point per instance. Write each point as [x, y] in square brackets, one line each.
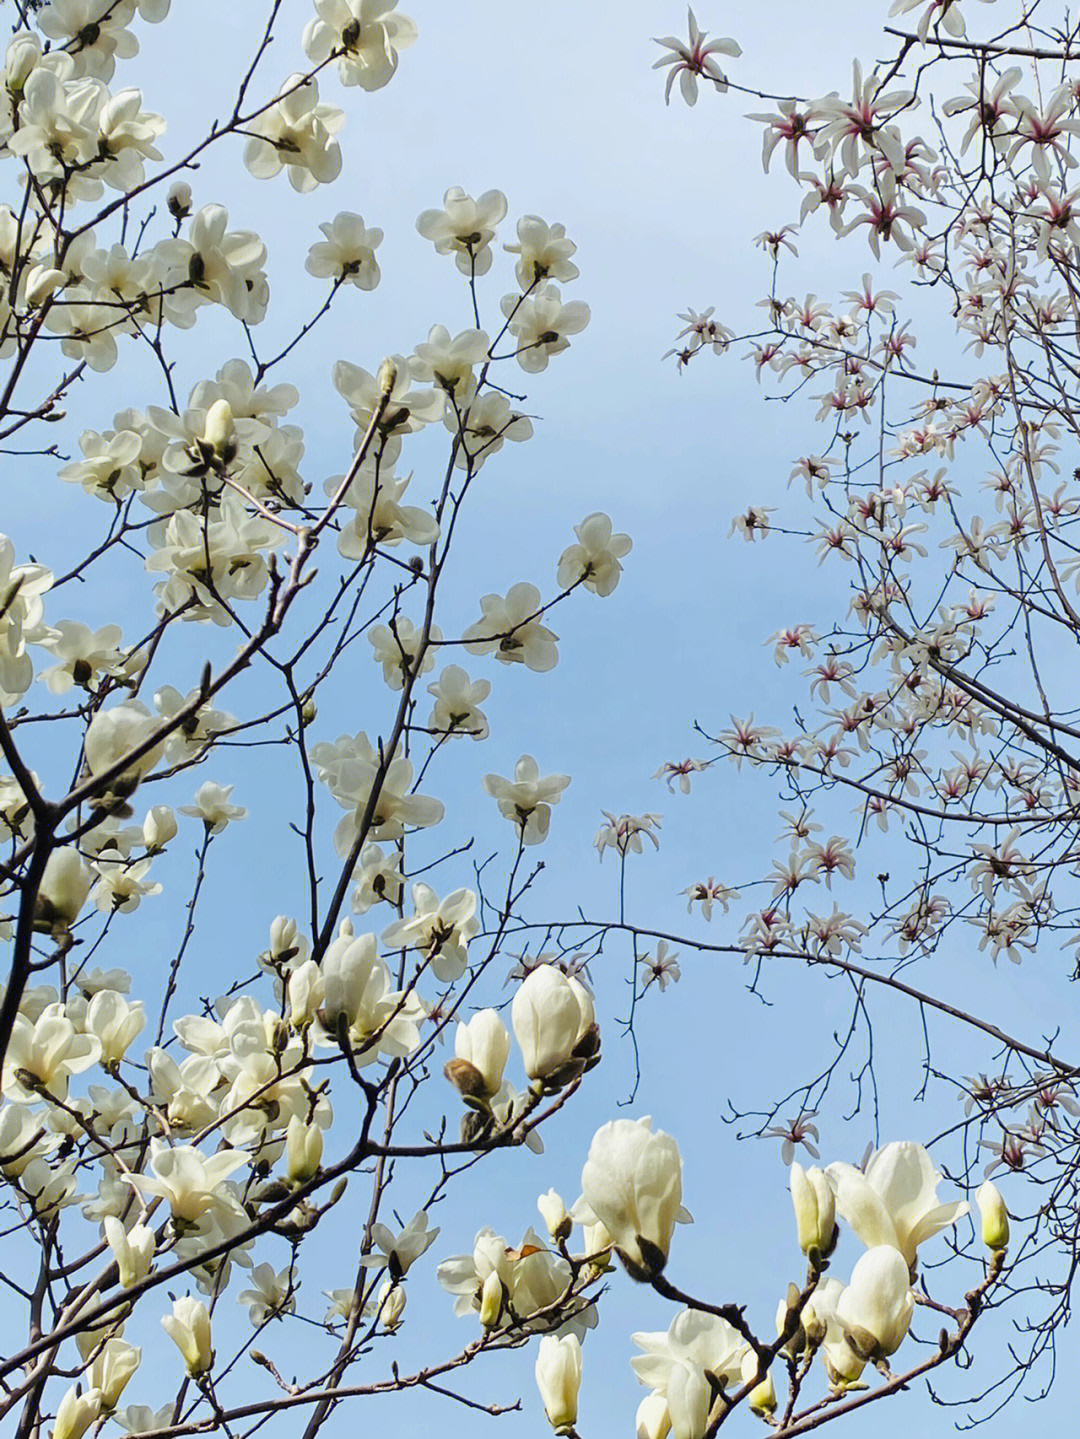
[555, 103]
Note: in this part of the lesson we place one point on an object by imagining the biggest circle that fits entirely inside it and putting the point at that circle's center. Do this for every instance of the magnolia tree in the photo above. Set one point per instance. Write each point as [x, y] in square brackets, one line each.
[168, 1175]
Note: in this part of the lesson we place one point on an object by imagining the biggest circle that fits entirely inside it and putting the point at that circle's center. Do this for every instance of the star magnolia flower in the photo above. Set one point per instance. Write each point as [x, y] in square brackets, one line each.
[526, 800]
[594, 560]
[688, 61]
[894, 1201]
[632, 1181]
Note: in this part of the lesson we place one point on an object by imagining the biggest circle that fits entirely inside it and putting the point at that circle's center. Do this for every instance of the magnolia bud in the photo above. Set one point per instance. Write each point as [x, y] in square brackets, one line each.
[133, 1249]
[304, 1146]
[558, 1377]
[113, 1366]
[219, 431]
[815, 1211]
[653, 1419]
[65, 885]
[159, 827]
[387, 377]
[305, 993]
[76, 1413]
[392, 1299]
[188, 1326]
[995, 1217]
[762, 1398]
[492, 1296]
[179, 201]
[555, 1216]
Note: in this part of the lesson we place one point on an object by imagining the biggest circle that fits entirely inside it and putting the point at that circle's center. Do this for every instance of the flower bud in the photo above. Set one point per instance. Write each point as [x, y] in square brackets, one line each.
[762, 1398]
[63, 891]
[219, 431]
[653, 1419]
[305, 994]
[484, 1044]
[555, 1216]
[76, 1413]
[133, 1249]
[551, 1014]
[304, 1146]
[995, 1217]
[558, 1377]
[159, 827]
[632, 1182]
[815, 1211]
[114, 1364]
[179, 201]
[188, 1326]
[492, 1297]
[387, 377]
[392, 1298]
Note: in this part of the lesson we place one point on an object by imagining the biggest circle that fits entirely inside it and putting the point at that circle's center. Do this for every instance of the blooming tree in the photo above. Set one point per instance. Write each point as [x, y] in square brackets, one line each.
[178, 1165]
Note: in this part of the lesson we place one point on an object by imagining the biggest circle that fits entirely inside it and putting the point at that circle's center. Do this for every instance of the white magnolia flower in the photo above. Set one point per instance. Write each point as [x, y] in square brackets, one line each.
[526, 800]
[594, 560]
[76, 1412]
[544, 252]
[632, 1181]
[188, 1326]
[702, 1339]
[348, 252]
[449, 362]
[297, 134]
[189, 1181]
[465, 227]
[113, 1366]
[400, 1251]
[541, 323]
[894, 1201]
[213, 808]
[440, 930]
[365, 35]
[511, 630]
[457, 704]
[272, 1293]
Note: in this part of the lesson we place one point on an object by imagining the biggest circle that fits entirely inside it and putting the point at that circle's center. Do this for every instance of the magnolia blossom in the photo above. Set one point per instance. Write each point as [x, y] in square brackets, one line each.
[594, 560]
[365, 35]
[441, 930]
[76, 1412]
[555, 1025]
[401, 1251]
[632, 1181]
[558, 1377]
[113, 1366]
[465, 227]
[692, 60]
[511, 629]
[186, 1179]
[543, 252]
[44, 1053]
[213, 808]
[815, 1209]
[894, 1200]
[112, 734]
[457, 704]
[526, 800]
[541, 323]
[348, 252]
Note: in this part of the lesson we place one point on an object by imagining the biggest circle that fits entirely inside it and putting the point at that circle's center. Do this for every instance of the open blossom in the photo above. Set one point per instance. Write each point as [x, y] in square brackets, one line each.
[347, 253]
[526, 800]
[660, 968]
[543, 252]
[457, 704]
[692, 60]
[594, 560]
[632, 1181]
[365, 35]
[894, 1200]
[511, 629]
[439, 929]
[213, 808]
[541, 323]
[189, 1181]
[465, 227]
[401, 1251]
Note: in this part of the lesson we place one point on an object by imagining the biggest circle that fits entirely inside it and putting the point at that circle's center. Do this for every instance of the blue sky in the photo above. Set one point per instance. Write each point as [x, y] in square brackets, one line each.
[556, 105]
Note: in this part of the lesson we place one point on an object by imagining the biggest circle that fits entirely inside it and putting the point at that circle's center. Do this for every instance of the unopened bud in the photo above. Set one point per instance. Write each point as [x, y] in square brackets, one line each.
[995, 1217]
[387, 377]
[179, 201]
[492, 1297]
